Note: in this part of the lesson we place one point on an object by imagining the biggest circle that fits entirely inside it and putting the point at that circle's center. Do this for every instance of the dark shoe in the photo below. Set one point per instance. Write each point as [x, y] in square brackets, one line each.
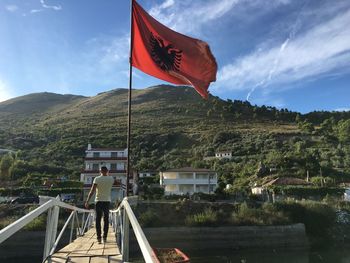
[104, 240]
[99, 240]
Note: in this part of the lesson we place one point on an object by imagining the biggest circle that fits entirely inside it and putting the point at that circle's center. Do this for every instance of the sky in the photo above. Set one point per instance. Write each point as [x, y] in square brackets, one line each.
[291, 54]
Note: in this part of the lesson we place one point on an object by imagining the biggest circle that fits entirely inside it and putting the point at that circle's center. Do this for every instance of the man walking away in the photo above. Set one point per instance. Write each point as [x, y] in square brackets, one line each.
[102, 185]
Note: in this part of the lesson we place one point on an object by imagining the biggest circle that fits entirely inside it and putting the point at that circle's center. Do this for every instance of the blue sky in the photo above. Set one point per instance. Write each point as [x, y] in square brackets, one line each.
[291, 54]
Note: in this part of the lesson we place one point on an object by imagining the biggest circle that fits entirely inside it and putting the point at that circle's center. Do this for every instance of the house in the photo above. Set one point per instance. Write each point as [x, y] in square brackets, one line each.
[265, 192]
[286, 181]
[188, 181]
[223, 154]
[145, 174]
[114, 159]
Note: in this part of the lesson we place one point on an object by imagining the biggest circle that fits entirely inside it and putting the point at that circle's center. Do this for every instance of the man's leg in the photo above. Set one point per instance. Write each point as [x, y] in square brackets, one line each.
[105, 220]
[99, 212]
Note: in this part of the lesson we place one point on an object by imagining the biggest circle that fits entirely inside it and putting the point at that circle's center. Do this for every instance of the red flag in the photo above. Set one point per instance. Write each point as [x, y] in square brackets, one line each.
[169, 55]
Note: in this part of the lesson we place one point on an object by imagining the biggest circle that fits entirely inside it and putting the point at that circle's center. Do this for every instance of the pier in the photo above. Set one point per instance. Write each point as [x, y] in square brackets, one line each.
[85, 248]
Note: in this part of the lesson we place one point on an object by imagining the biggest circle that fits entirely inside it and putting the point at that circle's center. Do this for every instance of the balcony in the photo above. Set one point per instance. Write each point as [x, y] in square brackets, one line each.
[98, 171]
[105, 158]
[189, 181]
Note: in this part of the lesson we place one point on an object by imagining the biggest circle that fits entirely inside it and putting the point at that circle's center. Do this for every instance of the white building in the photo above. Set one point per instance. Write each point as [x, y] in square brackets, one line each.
[144, 174]
[188, 180]
[223, 154]
[114, 159]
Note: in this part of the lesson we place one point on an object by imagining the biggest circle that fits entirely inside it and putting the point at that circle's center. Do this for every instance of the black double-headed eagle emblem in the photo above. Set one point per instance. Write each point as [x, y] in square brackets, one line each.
[167, 57]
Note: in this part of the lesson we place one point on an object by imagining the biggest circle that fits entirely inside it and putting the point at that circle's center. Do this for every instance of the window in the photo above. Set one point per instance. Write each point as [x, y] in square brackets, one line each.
[202, 188]
[120, 166]
[95, 166]
[96, 154]
[202, 176]
[113, 166]
[170, 188]
[114, 154]
[186, 188]
[185, 175]
[211, 188]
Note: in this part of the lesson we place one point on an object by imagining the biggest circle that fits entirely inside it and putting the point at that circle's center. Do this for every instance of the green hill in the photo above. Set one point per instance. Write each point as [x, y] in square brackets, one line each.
[173, 127]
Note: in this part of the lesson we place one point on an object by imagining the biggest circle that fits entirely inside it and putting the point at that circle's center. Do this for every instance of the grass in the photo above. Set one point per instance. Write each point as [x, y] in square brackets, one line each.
[206, 218]
[265, 215]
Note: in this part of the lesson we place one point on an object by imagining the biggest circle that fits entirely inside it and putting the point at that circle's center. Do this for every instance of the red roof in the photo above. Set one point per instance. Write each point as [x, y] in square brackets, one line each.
[287, 181]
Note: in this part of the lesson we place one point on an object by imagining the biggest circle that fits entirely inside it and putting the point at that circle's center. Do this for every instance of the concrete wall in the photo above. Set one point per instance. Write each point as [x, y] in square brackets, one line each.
[238, 237]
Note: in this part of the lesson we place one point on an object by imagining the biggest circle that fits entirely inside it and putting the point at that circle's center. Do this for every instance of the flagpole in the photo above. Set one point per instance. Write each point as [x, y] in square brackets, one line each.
[128, 169]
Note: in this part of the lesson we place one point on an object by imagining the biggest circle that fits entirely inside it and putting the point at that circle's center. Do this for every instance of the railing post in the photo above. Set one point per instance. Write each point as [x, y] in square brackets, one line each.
[78, 224]
[48, 233]
[125, 244]
[56, 212]
[51, 230]
[72, 228]
[118, 231]
[83, 223]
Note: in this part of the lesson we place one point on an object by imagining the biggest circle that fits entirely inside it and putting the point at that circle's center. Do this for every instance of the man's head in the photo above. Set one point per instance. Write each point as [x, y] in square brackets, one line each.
[104, 170]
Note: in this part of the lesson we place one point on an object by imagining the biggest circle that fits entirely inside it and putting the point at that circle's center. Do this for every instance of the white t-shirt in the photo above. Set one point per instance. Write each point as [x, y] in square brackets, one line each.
[104, 187]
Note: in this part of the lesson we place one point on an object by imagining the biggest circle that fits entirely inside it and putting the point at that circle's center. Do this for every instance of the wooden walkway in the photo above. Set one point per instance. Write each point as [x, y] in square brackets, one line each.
[86, 249]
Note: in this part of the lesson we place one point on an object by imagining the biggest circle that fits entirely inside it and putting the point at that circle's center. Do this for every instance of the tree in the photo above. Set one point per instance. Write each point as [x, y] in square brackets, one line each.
[344, 131]
[5, 166]
[306, 126]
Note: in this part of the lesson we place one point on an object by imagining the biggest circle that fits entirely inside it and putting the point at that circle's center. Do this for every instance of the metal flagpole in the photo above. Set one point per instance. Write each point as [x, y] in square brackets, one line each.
[129, 104]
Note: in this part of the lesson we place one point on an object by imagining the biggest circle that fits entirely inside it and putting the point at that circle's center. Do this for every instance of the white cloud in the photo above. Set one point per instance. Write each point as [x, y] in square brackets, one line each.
[317, 52]
[342, 109]
[54, 7]
[156, 10]
[11, 8]
[113, 50]
[5, 93]
[46, 6]
[189, 16]
[33, 11]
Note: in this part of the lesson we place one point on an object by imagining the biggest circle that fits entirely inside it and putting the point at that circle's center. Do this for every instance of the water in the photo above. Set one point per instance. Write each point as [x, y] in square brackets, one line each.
[243, 256]
[329, 255]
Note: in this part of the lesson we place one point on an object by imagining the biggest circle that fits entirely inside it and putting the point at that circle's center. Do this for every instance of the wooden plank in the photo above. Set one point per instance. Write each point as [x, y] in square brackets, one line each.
[110, 249]
[99, 259]
[115, 259]
[79, 259]
[81, 250]
[57, 259]
[86, 249]
[80, 246]
[96, 249]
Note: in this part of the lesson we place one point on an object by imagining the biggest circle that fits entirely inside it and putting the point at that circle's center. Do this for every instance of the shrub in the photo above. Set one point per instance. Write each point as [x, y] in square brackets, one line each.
[148, 218]
[266, 215]
[153, 193]
[206, 218]
[38, 223]
[304, 191]
[56, 191]
[317, 217]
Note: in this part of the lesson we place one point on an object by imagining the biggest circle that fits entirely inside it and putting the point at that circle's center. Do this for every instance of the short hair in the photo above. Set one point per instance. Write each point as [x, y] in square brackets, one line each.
[104, 168]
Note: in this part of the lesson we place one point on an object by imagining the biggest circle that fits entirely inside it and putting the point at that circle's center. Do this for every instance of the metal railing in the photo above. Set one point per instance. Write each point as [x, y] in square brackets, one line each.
[121, 219]
[52, 206]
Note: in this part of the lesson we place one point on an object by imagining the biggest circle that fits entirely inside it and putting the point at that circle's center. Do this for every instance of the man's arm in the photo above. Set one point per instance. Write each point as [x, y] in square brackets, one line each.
[92, 191]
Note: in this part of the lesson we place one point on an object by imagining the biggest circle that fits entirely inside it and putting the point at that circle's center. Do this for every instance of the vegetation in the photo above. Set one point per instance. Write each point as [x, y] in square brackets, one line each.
[319, 218]
[206, 218]
[172, 127]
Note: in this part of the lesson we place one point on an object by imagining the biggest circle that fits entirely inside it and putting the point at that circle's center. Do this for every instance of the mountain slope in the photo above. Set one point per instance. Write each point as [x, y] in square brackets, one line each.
[172, 127]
